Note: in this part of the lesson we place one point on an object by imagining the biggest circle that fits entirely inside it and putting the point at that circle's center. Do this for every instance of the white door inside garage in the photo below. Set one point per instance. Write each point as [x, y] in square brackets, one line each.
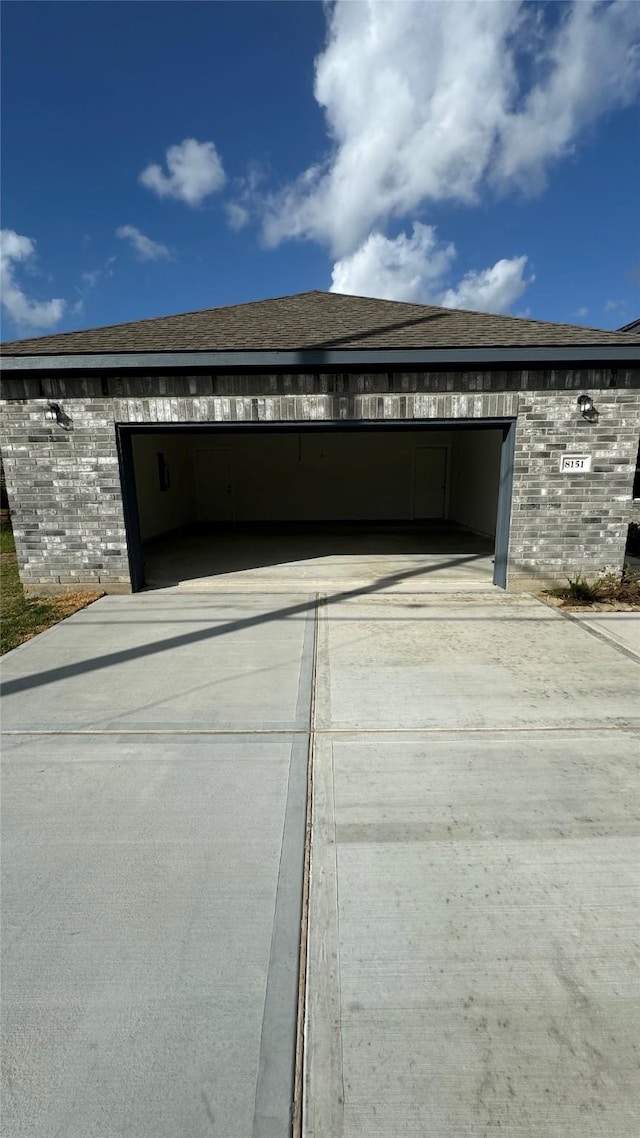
[317, 508]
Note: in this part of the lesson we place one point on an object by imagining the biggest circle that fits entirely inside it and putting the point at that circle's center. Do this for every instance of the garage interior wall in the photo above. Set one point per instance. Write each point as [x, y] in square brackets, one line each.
[339, 476]
[328, 476]
[475, 479]
[163, 510]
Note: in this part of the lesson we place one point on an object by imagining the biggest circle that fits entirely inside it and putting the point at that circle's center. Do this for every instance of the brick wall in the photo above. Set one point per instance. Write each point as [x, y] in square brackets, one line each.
[65, 496]
[64, 485]
[562, 524]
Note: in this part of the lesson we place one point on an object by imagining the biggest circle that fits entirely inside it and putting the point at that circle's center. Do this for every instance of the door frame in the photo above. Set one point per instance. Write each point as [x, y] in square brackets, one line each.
[505, 499]
[124, 447]
[125, 432]
[216, 450]
[445, 489]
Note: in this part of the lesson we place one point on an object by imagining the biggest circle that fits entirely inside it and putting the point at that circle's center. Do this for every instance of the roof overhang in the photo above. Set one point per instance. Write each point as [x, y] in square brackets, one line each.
[565, 355]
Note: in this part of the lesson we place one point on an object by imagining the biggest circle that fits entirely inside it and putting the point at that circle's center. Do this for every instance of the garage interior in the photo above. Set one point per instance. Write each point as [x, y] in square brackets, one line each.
[325, 508]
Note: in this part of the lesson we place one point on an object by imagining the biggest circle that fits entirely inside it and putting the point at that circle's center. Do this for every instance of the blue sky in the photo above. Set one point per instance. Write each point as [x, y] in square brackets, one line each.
[163, 157]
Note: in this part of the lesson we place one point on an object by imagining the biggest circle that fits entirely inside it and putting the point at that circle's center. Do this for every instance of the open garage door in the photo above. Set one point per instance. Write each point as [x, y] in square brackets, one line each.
[320, 506]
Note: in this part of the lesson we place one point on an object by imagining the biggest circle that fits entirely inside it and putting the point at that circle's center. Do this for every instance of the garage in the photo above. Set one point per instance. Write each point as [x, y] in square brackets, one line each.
[321, 506]
[321, 441]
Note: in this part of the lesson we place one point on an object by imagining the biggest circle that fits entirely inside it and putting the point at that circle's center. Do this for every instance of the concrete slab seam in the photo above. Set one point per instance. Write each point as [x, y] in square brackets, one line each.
[597, 632]
[276, 1061]
[321, 731]
[277, 1058]
[323, 1093]
[298, 1086]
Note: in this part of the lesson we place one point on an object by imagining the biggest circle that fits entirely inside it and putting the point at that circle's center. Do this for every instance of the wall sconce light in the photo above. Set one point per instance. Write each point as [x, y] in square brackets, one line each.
[587, 408]
[55, 414]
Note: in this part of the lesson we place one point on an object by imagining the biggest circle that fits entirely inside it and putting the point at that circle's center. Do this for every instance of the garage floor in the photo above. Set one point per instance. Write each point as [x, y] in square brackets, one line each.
[400, 558]
[473, 894]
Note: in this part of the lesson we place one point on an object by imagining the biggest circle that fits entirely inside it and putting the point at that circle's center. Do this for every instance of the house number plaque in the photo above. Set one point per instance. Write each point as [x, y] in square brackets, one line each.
[575, 463]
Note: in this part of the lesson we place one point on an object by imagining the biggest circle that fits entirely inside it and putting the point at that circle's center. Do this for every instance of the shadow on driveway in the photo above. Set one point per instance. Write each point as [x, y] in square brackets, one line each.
[24, 683]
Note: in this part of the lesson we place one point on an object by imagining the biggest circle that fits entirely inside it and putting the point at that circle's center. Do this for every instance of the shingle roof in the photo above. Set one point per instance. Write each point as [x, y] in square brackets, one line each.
[317, 320]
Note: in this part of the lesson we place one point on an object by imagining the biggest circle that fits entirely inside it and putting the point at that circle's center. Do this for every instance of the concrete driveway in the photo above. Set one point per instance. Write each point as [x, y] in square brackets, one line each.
[155, 766]
[472, 912]
[474, 875]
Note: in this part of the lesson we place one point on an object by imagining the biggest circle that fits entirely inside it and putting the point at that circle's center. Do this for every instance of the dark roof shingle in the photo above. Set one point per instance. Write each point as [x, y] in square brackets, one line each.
[317, 320]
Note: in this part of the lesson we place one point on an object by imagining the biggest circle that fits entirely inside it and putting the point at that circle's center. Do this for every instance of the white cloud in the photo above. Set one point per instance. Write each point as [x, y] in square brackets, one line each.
[588, 66]
[237, 215]
[581, 312]
[489, 290]
[195, 171]
[144, 248]
[428, 102]
[248, 201]
[416, 268]
[89, 279]
[16, 249]
[403, 268]
[614, 305]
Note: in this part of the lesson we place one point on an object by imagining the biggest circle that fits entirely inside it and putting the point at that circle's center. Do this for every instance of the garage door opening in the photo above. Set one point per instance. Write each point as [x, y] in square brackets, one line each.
[318, 508]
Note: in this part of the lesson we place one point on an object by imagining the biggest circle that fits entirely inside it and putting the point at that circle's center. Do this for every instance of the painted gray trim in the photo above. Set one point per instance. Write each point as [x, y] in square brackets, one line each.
[303, 426]
[310, 358]
[125, 432]
[503, 518]
[129, 492]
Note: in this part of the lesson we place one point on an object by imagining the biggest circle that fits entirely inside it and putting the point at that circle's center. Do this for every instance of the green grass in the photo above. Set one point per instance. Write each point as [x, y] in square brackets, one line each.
[611, 588]
[23, 617]
[7, 544]
[582, 592]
